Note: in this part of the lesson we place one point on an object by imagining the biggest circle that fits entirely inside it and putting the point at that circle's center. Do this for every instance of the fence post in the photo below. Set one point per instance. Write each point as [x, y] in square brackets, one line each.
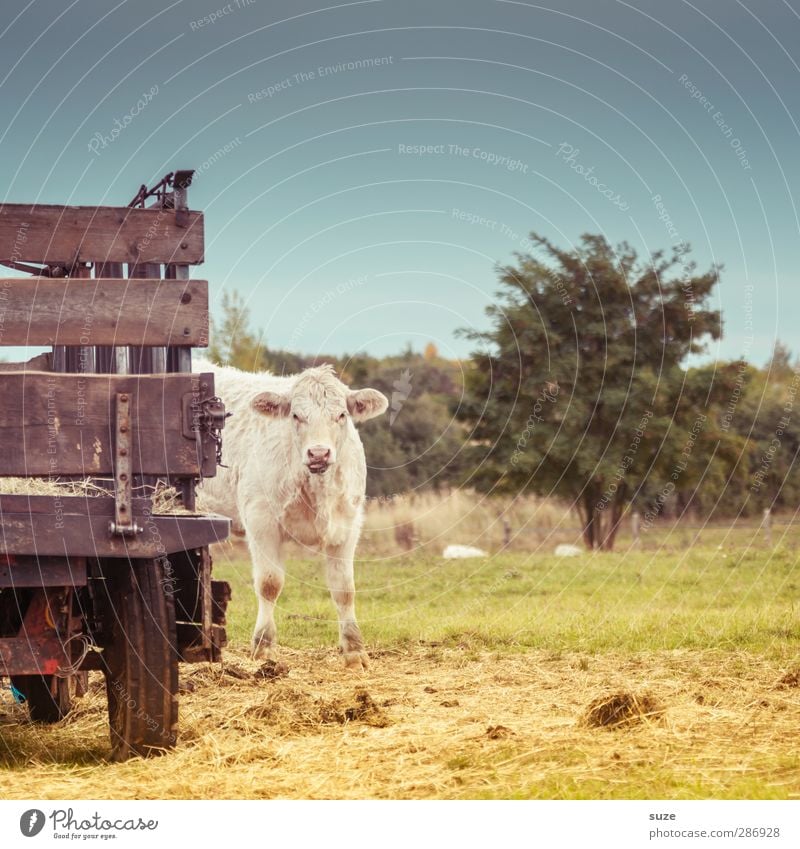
[506, 533]
[635, 516]
[767, 525]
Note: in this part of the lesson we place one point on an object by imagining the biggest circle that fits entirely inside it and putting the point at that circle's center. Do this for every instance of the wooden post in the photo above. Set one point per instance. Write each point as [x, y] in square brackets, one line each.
[111, 359]
[635, 517]
[506, 533]
[179, 358]
[766, 523]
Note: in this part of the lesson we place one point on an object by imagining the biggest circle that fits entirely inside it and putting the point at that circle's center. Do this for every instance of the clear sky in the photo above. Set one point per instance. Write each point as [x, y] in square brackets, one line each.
[365, 165]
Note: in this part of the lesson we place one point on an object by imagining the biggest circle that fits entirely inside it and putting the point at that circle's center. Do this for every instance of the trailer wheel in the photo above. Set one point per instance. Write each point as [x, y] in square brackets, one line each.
[43, 706]
[141, 659]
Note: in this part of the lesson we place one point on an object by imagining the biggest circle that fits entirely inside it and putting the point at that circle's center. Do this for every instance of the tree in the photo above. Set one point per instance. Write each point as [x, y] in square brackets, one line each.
[232, 342]
[578, 390]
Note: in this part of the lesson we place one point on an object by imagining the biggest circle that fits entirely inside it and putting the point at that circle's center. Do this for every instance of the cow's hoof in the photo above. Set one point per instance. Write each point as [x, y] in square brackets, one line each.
[261, 651]
[357, 660]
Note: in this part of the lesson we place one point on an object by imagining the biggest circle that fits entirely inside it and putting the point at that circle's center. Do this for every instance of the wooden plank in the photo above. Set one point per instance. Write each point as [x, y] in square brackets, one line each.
[89, 536]
[62, 424]
[68, 505]
[102, 311]
[43, 572]
[59, 235]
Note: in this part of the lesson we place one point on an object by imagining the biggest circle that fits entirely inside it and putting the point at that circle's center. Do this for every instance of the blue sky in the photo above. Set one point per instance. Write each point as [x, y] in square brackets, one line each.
[306, 120]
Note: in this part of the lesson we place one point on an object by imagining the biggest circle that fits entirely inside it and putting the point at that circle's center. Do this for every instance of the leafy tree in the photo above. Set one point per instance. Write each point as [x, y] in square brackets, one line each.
[232, 342]
[578, 390]
[753, 464]
[769, 417]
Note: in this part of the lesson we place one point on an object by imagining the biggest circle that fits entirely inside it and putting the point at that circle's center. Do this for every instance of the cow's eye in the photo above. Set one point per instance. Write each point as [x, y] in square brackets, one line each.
[296, 418]
[342, 417]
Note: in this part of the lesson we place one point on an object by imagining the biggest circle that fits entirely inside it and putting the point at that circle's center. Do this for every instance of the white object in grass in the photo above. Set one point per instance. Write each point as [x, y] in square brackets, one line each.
[461, 552]
[565, 550]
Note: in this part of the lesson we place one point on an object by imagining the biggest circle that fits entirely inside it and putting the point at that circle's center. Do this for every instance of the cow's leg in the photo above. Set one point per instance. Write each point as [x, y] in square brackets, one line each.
[343, 592]
[268, 575]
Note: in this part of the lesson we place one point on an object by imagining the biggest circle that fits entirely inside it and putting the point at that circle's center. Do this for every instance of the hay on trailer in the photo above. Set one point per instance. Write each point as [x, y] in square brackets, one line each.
[165, 499]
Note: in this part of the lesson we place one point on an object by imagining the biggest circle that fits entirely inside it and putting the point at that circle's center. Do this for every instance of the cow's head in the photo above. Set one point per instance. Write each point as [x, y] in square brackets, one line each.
[321, 410]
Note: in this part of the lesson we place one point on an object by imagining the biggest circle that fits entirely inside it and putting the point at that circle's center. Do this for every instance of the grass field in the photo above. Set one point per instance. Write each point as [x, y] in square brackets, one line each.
[482, 678]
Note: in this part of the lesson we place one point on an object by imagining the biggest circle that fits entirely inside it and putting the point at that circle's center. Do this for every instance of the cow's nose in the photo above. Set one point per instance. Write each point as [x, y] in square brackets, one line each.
[319, 455]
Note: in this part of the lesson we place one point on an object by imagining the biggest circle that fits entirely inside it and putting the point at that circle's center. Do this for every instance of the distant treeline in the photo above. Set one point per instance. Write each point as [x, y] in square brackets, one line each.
[734, 443]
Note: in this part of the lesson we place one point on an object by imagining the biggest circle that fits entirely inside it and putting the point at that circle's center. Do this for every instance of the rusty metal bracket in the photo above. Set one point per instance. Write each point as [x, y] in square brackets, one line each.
[123, 524]
[170, 193]
[204, 416]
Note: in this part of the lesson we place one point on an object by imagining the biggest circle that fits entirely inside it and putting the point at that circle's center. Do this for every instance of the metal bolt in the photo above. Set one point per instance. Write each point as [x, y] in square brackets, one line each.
[123, 429]
[123, 477]
[123, 452]
[184, 245]
[123, 397]
[186, 331]
[122, 508]
[186, 298]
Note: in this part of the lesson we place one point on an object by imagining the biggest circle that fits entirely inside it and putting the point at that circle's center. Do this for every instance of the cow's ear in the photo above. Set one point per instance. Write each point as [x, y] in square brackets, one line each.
[365, 404]
[272, 404]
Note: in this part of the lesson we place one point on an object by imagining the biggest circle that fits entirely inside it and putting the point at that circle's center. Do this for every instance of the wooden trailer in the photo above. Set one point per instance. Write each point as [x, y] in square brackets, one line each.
[99, 580]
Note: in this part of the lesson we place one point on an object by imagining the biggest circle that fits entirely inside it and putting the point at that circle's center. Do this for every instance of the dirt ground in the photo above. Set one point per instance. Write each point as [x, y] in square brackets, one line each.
[438, 723]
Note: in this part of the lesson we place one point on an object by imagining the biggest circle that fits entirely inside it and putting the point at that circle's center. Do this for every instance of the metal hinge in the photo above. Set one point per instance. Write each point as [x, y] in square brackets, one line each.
[123, 524]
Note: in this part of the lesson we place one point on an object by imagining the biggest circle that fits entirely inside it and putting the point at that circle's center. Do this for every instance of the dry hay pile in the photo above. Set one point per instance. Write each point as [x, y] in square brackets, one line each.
[429, 722]
[165, 499]
[615, 709]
